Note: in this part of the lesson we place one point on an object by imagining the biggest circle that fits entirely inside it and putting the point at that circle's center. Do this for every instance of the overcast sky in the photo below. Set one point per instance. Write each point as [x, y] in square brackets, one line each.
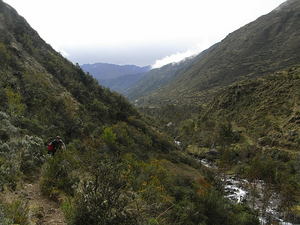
[141, 32]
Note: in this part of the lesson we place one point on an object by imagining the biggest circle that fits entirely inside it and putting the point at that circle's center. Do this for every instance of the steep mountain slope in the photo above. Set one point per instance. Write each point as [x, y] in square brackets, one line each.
[116, 169]
[124, 83]
[157, 78]
[265, 109]
[270, 43]
[247, 88]
[52, 93]
[44, 95]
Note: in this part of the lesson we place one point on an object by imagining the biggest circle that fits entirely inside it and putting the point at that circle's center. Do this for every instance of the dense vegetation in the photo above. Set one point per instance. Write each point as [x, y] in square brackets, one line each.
[117, 168]
[237, 105]
[250, 129]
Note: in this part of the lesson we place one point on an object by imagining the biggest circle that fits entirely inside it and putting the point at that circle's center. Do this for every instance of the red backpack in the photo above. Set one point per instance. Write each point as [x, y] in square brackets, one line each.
[50, 147]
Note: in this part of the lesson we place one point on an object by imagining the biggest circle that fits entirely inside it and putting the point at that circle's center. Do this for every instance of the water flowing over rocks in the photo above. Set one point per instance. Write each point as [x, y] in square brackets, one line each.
[258, 195]
[234, 189]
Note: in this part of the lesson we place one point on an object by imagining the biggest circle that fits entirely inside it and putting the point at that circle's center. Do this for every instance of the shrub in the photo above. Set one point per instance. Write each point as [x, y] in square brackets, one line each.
[57, 175]
[15, 105]
[20, 154]
[103, 198]
[212, 209]
[226, 134]
[109, 136]
[32, 156]
[242, 215]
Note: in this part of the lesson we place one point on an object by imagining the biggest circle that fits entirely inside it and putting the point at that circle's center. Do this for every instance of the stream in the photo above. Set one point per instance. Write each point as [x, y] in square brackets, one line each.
[241, 190]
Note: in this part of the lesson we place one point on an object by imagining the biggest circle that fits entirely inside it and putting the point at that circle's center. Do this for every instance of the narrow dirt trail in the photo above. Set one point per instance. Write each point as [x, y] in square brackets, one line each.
[42, 211]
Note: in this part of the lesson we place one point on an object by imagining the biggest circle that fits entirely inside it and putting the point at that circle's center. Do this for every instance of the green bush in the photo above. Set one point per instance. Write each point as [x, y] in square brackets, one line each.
[32, 155]
[103, 199]
[226, 134]
[109, 136]
[211, 208]
[18, 154]
[57, 175]
[243, 216]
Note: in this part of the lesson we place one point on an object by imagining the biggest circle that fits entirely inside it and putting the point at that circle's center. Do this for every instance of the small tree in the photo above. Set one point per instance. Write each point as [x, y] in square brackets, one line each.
[109, 136]
[15, 105]
[226, 135]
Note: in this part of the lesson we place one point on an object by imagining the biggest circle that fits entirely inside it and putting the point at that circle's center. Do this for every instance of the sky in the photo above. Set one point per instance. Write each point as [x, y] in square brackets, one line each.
[140, 32]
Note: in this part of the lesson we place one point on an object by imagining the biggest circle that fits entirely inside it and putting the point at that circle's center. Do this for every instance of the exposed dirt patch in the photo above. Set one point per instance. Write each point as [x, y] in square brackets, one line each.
[42, 211]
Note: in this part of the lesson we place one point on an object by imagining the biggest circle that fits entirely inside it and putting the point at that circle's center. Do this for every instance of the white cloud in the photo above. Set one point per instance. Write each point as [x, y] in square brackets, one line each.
[118, 23]
[179, 56]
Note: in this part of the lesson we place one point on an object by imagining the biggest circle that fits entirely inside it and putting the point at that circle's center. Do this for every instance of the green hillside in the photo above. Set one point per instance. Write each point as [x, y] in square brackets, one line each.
[157, 78]
[52, 92]
[117, 168]
[250, 128]
[122, 84]
[269, 44]
[265, 109]
[237, 106]
[262, 111]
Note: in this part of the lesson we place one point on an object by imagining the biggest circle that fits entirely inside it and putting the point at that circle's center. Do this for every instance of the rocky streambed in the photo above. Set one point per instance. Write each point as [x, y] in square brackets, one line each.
[256, 194]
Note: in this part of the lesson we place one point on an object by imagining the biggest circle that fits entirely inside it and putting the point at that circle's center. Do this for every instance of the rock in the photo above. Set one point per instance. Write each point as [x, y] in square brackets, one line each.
[169, 124]
[177, 143]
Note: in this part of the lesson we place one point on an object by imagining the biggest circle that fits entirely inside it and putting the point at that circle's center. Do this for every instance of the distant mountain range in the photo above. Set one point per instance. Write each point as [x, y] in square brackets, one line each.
[116, 77]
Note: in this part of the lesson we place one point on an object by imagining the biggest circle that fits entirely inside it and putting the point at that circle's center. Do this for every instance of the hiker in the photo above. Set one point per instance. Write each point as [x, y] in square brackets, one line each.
[55, 144]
